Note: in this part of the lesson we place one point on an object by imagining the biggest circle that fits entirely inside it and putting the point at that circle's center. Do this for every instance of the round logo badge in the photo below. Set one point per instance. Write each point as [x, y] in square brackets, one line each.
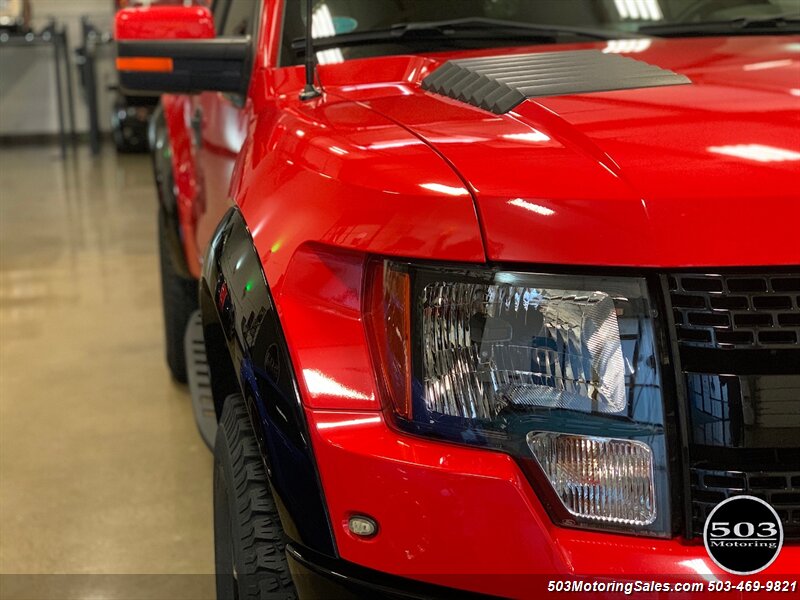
[743, 535]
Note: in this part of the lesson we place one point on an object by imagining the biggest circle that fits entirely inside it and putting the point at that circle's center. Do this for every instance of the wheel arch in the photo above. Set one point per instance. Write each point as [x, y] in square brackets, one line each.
[224, 379]
[247, 352]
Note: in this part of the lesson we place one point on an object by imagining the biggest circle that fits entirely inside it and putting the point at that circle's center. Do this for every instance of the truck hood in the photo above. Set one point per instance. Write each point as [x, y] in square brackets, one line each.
[705, 174]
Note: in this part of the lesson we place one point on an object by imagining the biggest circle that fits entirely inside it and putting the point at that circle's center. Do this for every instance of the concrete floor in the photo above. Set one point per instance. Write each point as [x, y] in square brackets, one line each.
[101, 468]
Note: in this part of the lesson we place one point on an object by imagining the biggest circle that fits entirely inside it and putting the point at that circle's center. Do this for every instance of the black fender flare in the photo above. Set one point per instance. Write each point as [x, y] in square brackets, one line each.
[240, 320]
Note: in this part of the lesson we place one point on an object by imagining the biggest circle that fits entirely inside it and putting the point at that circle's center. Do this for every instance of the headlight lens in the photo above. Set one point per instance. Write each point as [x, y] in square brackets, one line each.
[490, 347]
[560, 371]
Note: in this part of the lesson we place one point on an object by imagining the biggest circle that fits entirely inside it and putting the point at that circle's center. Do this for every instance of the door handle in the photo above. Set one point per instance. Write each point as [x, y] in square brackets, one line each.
[197, 127]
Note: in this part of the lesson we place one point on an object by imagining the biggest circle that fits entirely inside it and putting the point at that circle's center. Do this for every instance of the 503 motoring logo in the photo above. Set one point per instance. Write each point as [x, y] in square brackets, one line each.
[743, 535]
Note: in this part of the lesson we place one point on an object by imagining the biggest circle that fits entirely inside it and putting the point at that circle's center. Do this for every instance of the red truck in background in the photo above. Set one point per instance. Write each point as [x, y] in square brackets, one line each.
[485, 291]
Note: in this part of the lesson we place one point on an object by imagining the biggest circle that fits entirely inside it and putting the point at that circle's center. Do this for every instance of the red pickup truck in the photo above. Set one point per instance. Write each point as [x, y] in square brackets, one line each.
[488, 293]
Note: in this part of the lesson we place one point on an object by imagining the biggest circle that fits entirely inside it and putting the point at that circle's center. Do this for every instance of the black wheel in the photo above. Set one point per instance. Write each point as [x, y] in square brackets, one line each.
[249, 542]
[129, 139]
[119, 139]
[128, 132]
[179, 295]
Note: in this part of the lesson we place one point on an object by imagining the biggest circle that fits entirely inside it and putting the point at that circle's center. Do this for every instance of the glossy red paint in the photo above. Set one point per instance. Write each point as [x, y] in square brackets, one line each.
[321, 303]
[202, 165]
[468, 518]
[337, 173]
[223, 128]
[164, 23]
[640, 173]
[178, 115]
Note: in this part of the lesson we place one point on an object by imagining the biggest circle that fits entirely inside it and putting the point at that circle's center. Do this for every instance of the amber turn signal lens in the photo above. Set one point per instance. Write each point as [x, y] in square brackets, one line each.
[390, 321]
[145, 64]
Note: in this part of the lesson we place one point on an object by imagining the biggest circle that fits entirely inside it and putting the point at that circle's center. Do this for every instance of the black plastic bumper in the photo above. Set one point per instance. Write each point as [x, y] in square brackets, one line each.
[317, 576]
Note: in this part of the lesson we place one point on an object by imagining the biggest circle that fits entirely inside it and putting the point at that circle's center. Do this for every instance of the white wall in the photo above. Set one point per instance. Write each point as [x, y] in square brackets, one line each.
[28, 102]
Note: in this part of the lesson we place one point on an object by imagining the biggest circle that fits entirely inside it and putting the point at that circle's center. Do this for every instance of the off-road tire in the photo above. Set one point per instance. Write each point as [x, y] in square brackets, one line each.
[126, 142]
[179, 296]
[249, 543]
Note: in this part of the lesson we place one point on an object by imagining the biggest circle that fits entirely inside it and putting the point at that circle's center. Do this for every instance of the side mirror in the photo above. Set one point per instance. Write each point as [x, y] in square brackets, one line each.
[172, 49]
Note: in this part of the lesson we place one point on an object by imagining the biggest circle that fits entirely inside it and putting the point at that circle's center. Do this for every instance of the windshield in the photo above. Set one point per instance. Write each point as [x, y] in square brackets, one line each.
[369, 28]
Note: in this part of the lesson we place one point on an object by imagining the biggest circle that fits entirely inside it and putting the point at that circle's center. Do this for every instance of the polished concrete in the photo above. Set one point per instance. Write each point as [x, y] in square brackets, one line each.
[101, 468]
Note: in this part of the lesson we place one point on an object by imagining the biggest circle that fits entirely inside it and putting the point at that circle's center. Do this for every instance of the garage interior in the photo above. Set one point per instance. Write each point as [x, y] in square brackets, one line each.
[103, 471]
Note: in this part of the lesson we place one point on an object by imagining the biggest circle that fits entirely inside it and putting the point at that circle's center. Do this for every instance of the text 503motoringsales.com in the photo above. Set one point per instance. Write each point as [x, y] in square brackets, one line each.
[632, 587]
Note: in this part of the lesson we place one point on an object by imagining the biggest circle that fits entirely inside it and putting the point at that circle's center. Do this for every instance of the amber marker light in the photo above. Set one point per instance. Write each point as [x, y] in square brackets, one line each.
[148, 64]
[390, 319]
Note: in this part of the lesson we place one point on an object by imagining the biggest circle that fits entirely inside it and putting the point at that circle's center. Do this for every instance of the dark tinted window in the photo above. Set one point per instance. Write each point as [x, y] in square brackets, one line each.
[341, 17]
[240, 18]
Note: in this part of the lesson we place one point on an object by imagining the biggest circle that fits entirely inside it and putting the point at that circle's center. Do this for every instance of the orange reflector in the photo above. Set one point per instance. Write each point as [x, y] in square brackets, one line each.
[152, 65]
[390, 320]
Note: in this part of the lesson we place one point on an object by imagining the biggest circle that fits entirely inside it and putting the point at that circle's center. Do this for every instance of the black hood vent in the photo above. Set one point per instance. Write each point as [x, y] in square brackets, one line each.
[500, 83]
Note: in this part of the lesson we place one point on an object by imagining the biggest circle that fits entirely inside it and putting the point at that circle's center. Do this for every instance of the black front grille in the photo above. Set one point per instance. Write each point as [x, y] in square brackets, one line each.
[738, 337]
[736, 311]
[780, 489]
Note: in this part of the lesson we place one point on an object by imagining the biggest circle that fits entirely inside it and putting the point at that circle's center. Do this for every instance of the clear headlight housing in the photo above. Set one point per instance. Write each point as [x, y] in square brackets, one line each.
[562, 372]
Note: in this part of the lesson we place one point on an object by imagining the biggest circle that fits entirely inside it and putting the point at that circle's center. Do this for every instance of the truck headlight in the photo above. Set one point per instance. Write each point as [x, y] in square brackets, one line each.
[560, 371]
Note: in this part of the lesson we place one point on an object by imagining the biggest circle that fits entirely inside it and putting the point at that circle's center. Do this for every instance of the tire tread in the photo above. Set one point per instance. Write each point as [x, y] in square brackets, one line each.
[263, 570]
